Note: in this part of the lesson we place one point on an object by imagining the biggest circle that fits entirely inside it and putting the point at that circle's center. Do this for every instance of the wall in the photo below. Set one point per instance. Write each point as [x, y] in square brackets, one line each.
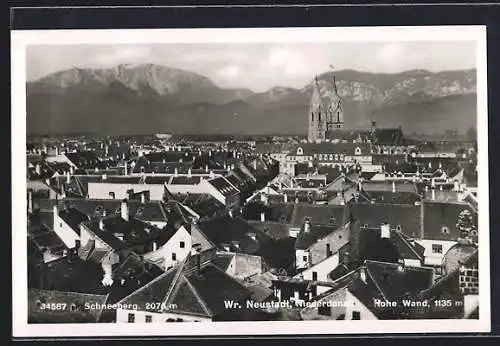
[140, 316]
[434, 259]
[356, 305]
[184, 188]
[322, 269]
[339, 297]
[85, 236]
[336, 240]
[170, 247]
[206, 187]
[102, 190]
[247, 265]
[65, 232]
[300, 263]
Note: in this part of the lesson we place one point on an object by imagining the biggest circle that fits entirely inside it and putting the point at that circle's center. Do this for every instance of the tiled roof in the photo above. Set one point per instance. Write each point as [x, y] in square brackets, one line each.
[223, 186]
[222, 260]
[440, 219]
[192, 291]
[71, 274]
[134, 232]
[276, 212]
[73, 217]
[150, 211]
[457, 254]
[394, 283]
[325, 215]
[404, 215]
[75, 310]
[306, 239]
[224, 230]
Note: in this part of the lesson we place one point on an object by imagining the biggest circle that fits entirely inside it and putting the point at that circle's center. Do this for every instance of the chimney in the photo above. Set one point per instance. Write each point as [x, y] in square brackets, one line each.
[104, 176]
[230, 212]
[206, 168]
[57, 150]
[38, 169]
[72, 170]
[30, 200]
[385, 230]
[102, 227]
[104, 212]
[210, 153]
[433, 196]
[68, 177]
[441, 187]
[262, 217]
[198, 263]
[285, 198]
[212, 175]
[189, 172]
[307, 226]
[124, 210]
[393, 187]
[144, 197]
[176, 171]
[126, 168]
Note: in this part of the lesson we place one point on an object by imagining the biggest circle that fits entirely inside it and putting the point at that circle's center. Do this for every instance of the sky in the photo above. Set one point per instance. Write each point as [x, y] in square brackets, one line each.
[258, 66]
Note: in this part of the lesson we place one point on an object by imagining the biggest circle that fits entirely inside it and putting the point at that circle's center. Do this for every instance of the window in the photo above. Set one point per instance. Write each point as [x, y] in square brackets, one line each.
[356, 315]
[72, 307]
[324, 310]
[398, 227]
[328, 250]
[182, 245]
[357, 151]
[304, 258]
[174, 256]
[131, 318]
[315, 276]
[445, 230]
[112, 195]
[149, 318]
[437, 248]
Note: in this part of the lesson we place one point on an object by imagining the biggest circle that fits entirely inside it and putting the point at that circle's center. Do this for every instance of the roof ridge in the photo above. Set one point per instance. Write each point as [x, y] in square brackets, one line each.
[175, 280]
[197, 295]
[400, 234]
[375, 282]
[158, 278]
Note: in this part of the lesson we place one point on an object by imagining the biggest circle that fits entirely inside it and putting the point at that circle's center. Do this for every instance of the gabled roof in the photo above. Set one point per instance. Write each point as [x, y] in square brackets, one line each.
[224, 231]
[134, 232]
[223, 186]
[152, 211]
[73, 217]
[404, 215]
[191, 291]
[75, 311]
[326, 215]
[444, 215]
[395, 282]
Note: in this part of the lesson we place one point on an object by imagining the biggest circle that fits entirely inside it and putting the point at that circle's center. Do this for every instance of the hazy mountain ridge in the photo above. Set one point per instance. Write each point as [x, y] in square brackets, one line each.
[147, 98]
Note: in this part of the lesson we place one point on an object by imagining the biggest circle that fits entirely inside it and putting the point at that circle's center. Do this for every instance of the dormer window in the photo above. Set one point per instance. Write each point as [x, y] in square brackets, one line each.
[139, 211]
[357, 151]
[445, 230]
[398, 228]
[300, 151]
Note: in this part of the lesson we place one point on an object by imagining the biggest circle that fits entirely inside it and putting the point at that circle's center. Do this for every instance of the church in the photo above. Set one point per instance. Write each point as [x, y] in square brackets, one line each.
[324, 120]
[326, 124]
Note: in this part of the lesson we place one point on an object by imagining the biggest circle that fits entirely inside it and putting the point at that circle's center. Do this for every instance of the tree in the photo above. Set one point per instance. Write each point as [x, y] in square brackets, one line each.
[465, 224]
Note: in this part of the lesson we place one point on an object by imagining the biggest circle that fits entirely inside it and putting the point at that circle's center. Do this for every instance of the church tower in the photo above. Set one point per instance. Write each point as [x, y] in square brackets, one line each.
[317, 115]
[335, 110]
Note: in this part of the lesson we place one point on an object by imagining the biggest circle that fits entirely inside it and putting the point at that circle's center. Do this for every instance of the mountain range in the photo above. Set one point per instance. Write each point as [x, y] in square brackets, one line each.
[148, 98]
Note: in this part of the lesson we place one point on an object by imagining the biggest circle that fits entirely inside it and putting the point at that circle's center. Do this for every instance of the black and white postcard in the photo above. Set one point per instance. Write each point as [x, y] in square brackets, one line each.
[197, 182]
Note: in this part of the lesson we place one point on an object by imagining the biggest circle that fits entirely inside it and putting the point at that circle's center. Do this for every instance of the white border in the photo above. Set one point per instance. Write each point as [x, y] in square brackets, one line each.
[20, 39]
